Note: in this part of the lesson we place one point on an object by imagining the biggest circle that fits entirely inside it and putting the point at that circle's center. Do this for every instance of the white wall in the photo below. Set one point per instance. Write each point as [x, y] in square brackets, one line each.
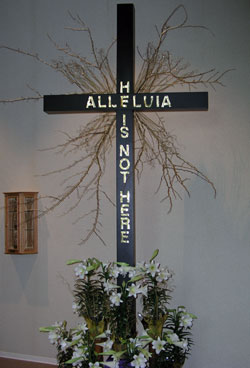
[204, 240]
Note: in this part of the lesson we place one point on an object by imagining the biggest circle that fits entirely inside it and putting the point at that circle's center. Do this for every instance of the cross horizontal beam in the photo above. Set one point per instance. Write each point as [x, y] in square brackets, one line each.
[173, 101]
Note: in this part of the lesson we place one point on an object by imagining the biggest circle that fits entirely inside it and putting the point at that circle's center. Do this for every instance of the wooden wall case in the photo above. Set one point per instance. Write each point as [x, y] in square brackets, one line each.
[21, 223]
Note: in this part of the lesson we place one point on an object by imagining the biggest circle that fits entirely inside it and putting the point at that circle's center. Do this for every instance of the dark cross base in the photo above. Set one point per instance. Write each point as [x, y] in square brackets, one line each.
[125, 102]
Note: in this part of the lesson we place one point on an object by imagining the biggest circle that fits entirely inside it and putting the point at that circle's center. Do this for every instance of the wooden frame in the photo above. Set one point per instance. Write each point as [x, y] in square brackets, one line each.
[21, 223]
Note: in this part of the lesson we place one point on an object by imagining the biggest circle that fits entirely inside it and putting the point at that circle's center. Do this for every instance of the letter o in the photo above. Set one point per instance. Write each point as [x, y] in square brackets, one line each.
[127, 164]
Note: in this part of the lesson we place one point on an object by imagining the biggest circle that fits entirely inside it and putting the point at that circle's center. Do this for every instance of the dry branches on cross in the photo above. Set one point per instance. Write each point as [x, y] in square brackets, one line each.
[89, 147]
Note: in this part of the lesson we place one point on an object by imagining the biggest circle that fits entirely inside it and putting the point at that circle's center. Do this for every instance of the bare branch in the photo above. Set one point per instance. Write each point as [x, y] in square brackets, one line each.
[155, 146]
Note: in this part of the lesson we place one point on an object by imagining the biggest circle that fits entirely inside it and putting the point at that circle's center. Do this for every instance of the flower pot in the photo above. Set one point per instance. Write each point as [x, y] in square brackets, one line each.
[123, 363]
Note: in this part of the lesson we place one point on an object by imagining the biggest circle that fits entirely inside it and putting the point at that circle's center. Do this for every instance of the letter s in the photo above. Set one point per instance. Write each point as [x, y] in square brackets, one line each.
[124, 132]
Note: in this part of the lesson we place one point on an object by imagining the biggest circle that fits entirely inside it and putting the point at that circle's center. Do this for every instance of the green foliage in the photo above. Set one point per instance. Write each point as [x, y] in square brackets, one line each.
[108, 318]
[123, 317]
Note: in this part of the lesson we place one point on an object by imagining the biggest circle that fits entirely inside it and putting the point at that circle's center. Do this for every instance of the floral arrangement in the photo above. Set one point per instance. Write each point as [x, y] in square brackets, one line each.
[105, 300]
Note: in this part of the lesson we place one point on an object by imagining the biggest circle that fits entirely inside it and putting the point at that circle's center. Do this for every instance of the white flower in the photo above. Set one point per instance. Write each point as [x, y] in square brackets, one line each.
[115, 299]
[144, 290]
[107, 333]
[163, 275]
[186, 321]
[94, 365]
[78, 353]
[173, 337]
[158, 345]
[136, 342]
[81, 270]
[133, 290]
[181, 309]
[53, 336]
[64, 344]
[132, 272]
[114, 272]
[76, 307]
[108, 286]
[183, 344]
[58, 324]
[112, 364]
[77, 364]
[83, 327]
[123, 270]
[152, 268]
[139, 361]
[76, 337]
[107, 345]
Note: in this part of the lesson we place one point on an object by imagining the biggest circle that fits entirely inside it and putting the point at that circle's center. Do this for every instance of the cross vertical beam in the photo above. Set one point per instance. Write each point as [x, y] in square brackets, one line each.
[125, 187]
[124, 102]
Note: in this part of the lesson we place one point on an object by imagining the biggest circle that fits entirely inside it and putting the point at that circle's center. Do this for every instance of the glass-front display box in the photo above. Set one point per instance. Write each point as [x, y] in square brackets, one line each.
[21, 223]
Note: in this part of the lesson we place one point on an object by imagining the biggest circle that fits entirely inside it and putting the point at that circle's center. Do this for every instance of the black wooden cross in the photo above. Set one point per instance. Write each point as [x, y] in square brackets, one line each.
[125, 102]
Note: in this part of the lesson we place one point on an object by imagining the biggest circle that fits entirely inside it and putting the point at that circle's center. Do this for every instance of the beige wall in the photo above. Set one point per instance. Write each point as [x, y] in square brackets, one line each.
[204, 240]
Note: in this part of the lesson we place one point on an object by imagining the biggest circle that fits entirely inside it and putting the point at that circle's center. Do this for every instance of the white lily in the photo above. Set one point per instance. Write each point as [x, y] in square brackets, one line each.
[139, 361]
[81, 270]
[115, 299]
[108, 286]
[133, 290]
[75, 307]
[83, 327]
[144, 290]
[64, 344]
[53, 336]
[78, 353]
[183, 344]
[123, 270]
[115, 272]
[186, 321]
[173, 337]
[152, 268]
[112, 364]
[163, 275]
[94, 365]
[107, 345]
[158, 345]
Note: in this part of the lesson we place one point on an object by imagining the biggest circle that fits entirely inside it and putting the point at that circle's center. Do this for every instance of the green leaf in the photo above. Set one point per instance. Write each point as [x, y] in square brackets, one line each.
[101, 336]
[75, 342]
[72, 360]
[136, 278]
[91, 268]
[122, 264]
[94, 264]
[117, 354]
[47, 329]
[168, 339]
[192, 315]
[109, 352]
[111, 364]
[145, 337]
[73, 261]
[146, 353]
[154, 255]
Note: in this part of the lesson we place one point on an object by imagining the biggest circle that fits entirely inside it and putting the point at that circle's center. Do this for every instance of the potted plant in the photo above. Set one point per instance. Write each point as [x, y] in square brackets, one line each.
[106, 335]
